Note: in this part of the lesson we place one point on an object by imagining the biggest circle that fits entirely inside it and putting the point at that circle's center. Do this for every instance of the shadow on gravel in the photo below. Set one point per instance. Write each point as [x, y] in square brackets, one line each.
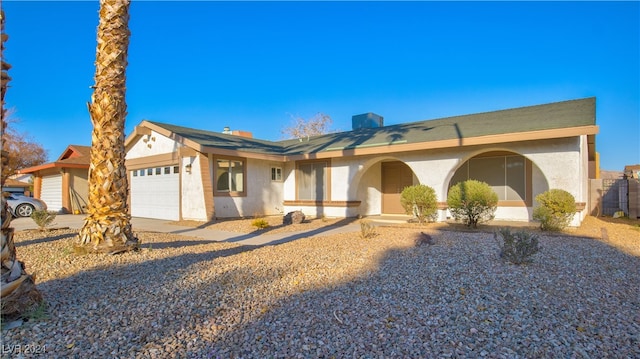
[44, 239]
[453, 298]
[288, 237]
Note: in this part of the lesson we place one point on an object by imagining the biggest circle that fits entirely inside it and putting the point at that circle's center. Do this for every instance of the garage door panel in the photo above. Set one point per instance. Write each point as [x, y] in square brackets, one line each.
[51, 192]
[156, 196]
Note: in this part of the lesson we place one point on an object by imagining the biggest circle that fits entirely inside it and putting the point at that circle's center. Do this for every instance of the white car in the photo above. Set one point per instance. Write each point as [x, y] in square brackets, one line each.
[23, 206]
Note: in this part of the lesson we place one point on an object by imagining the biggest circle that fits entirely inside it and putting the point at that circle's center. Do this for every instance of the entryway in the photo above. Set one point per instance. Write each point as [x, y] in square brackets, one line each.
[395, 177]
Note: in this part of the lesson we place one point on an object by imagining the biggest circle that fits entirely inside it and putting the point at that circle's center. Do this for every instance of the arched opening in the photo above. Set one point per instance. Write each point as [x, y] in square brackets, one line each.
[509, 175]
[514, 177]
[378, 184]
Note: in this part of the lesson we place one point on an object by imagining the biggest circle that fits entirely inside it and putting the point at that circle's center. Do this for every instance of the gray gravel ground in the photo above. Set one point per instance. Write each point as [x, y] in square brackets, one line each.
[332, 297]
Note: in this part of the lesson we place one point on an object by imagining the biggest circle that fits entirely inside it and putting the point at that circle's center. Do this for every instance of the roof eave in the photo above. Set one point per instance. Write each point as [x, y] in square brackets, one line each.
[451, 143]
[51, 165]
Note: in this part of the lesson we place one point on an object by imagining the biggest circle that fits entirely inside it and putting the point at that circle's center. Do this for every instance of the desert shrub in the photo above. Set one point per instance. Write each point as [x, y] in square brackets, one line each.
[43, 218]
[260, 223]
[518, 247]
[473, 202]
[367, 229]
[555, 210]
[420, 201]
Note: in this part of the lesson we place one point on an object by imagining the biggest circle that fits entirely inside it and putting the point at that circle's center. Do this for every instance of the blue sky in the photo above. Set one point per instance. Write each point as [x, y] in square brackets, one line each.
[253, 65]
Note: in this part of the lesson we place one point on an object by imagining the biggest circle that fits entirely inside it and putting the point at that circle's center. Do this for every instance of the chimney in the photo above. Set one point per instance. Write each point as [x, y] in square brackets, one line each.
[242, 133]
[246, 134]
[366, 120]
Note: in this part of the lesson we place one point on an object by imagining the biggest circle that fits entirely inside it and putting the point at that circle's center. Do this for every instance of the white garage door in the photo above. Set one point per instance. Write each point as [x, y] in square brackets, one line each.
[155, 193]
[51, 192]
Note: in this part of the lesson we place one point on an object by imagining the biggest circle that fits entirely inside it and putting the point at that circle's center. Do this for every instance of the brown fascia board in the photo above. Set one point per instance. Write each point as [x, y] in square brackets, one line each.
[52, 165]
[451, 143]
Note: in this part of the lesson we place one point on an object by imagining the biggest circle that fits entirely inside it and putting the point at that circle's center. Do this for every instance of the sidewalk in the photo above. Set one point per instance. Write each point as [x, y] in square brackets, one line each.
[163, 226]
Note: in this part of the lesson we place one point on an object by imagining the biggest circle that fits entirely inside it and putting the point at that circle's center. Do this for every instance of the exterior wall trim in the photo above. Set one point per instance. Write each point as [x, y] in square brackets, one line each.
[322, 203]
[153, 161]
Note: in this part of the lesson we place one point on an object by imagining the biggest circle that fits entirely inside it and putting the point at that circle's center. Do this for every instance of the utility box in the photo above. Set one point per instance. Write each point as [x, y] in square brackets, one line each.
[366, 120]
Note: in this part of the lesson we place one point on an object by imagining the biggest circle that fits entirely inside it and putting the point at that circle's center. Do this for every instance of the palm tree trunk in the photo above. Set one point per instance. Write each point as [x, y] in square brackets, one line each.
[107, 227]
[18, 289]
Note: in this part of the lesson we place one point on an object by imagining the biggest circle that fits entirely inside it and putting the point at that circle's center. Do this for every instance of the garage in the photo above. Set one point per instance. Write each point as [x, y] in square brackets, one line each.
[51, 192]
[155, 192]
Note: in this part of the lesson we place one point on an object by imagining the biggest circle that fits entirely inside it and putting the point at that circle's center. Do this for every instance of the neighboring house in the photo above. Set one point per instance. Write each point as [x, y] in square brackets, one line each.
[63, 184]
[184, 173]
[14, 186]
[632, 171]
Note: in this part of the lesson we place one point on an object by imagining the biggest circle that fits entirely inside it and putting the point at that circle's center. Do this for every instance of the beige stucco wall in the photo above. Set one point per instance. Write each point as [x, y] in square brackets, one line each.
[79, 188]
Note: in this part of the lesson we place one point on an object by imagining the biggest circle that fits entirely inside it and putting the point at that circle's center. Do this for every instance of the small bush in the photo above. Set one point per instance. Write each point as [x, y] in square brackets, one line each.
[555, 210]
[260, 223]
[473, 202]
[43, 218]
[518, 247]
[367, 229]
[420, 201]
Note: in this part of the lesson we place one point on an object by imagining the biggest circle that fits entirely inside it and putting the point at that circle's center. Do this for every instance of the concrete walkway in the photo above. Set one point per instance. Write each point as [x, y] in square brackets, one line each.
[163, 226]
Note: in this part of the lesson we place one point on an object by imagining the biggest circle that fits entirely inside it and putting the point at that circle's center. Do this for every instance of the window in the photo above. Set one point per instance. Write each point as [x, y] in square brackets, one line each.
[142, 173]
[176, 169]
[149, 171]
[229, 175]
[276, 173]
[505, 175]
[167, 170]
[158, 170]
[134, 173]
[311, 178]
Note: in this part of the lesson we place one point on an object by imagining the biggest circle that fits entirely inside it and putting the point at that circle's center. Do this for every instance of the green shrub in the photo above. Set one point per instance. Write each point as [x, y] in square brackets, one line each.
[518, 247]
[260, 223]
[555, 210]
[420, 201]
[43, 218]
[473, 202]
[367, 229]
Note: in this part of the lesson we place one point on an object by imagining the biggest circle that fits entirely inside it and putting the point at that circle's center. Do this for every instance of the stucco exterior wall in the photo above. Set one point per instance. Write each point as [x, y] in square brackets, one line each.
[79, 188]
[556, 163]
[263, 196]
[191, 190]
[156, 144]
[369, 191]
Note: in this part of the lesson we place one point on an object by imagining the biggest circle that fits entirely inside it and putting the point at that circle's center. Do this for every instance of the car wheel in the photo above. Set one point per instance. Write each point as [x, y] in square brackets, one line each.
[24, 210]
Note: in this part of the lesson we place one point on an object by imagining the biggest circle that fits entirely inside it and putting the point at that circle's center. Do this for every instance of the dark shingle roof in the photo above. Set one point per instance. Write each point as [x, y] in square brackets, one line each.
[567, 114]
[223, 141]
[558, 115]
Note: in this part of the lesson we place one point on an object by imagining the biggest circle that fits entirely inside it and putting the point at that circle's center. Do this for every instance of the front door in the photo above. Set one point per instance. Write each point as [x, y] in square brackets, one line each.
[395, 177]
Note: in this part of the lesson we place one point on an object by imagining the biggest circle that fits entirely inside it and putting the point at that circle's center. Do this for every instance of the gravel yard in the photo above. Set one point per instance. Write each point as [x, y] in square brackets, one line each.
[337, 296]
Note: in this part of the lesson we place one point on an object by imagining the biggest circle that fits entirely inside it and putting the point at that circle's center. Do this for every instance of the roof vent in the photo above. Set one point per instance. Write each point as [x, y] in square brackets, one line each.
[366, 120]
[226, 130]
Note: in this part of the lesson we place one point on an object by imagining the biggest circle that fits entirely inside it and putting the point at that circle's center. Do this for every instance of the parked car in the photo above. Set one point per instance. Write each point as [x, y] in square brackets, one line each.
[23, 206]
